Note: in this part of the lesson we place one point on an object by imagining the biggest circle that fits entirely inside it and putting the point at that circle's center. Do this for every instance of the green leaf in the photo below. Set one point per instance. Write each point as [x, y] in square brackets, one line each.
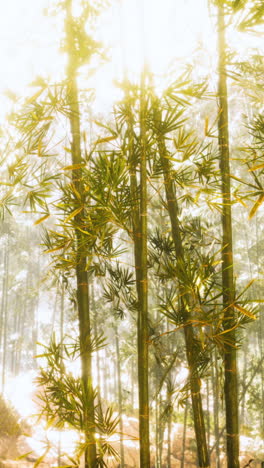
[35, 96]
[73, 214]
[255, 168]
[244, 311]
[256, 206]
[39, 221]
[24, 455]
[73, 167]
[105, 140]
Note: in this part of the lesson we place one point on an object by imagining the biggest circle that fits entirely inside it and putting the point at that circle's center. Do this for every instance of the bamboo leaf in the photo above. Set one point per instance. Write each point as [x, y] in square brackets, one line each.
[68, 150]
[105, 140]
[206, 126]
[245, 311]
[24, 455]
[35, 96]
[40, 220]
[72, 167]
[100, 124]
[39, 147]
[255, 168]
[246, 288]
[226, 331]
[256, 206]
[243, 182]
[240, 201]
[73, 214]
[41, 458]
[55, 249]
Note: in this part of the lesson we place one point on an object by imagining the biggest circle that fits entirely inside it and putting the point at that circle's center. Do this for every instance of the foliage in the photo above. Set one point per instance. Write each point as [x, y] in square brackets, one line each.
[63, 399]
[10, 421]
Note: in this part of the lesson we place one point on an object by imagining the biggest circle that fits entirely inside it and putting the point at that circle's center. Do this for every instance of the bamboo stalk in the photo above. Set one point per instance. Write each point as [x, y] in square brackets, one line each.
[83, 300]
[143, 295]
[139, 235]
[230, 358]
[198, 414]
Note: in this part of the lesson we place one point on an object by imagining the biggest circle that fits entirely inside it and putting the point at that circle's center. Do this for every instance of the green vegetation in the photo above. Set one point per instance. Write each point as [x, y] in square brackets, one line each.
[150, 219]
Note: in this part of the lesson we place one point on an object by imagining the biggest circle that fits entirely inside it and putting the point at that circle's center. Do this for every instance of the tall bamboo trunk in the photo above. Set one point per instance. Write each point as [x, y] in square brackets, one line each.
[208, 415]
[120, 399]
[143, 295]
[61, 324]
[184, 435]
[260, 333]
[139, 234]
[83, 302]
[98, 359]
[4, 313]
[169, 448]
[13, 352]
[198, 414]
[216, 397]
[2, 309]
[230, 355]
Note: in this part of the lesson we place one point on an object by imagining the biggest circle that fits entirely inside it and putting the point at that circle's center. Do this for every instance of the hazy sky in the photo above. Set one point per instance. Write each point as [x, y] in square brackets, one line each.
[160, 29]
[29, 41]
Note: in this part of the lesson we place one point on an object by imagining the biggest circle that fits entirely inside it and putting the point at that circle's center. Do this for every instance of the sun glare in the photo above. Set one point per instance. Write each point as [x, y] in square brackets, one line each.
[22, 400]
[132, 31]
[153, 32]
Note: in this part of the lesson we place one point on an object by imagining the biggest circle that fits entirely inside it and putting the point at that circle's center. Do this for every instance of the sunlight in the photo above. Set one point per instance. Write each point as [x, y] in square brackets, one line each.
[157, 34]
[182, 375]
[22, 400]
[106, 193]
[133, 32]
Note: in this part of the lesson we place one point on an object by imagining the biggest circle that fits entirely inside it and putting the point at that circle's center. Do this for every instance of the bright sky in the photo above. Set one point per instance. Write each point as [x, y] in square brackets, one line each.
[160, 30]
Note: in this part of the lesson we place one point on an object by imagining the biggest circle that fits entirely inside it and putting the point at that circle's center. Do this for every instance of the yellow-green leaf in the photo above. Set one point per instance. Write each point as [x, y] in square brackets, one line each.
[55, 249]
[41, 458]
[255, 168]
[105, 140]
[40, 145]
[40, 220]
[35, 96]
[73, 214]
[75, 191]
[256, 206]
[245, 311]
[206, 126]
[240, 201]
[227, 330]
[68, 150]
[73, 167]
[24, 455]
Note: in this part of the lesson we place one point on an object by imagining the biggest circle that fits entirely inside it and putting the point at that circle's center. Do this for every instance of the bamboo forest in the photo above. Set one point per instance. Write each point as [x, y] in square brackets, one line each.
[131, 224]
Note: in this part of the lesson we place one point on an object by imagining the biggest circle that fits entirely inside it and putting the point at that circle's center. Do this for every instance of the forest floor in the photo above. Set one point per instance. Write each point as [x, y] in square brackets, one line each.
[11, 448]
